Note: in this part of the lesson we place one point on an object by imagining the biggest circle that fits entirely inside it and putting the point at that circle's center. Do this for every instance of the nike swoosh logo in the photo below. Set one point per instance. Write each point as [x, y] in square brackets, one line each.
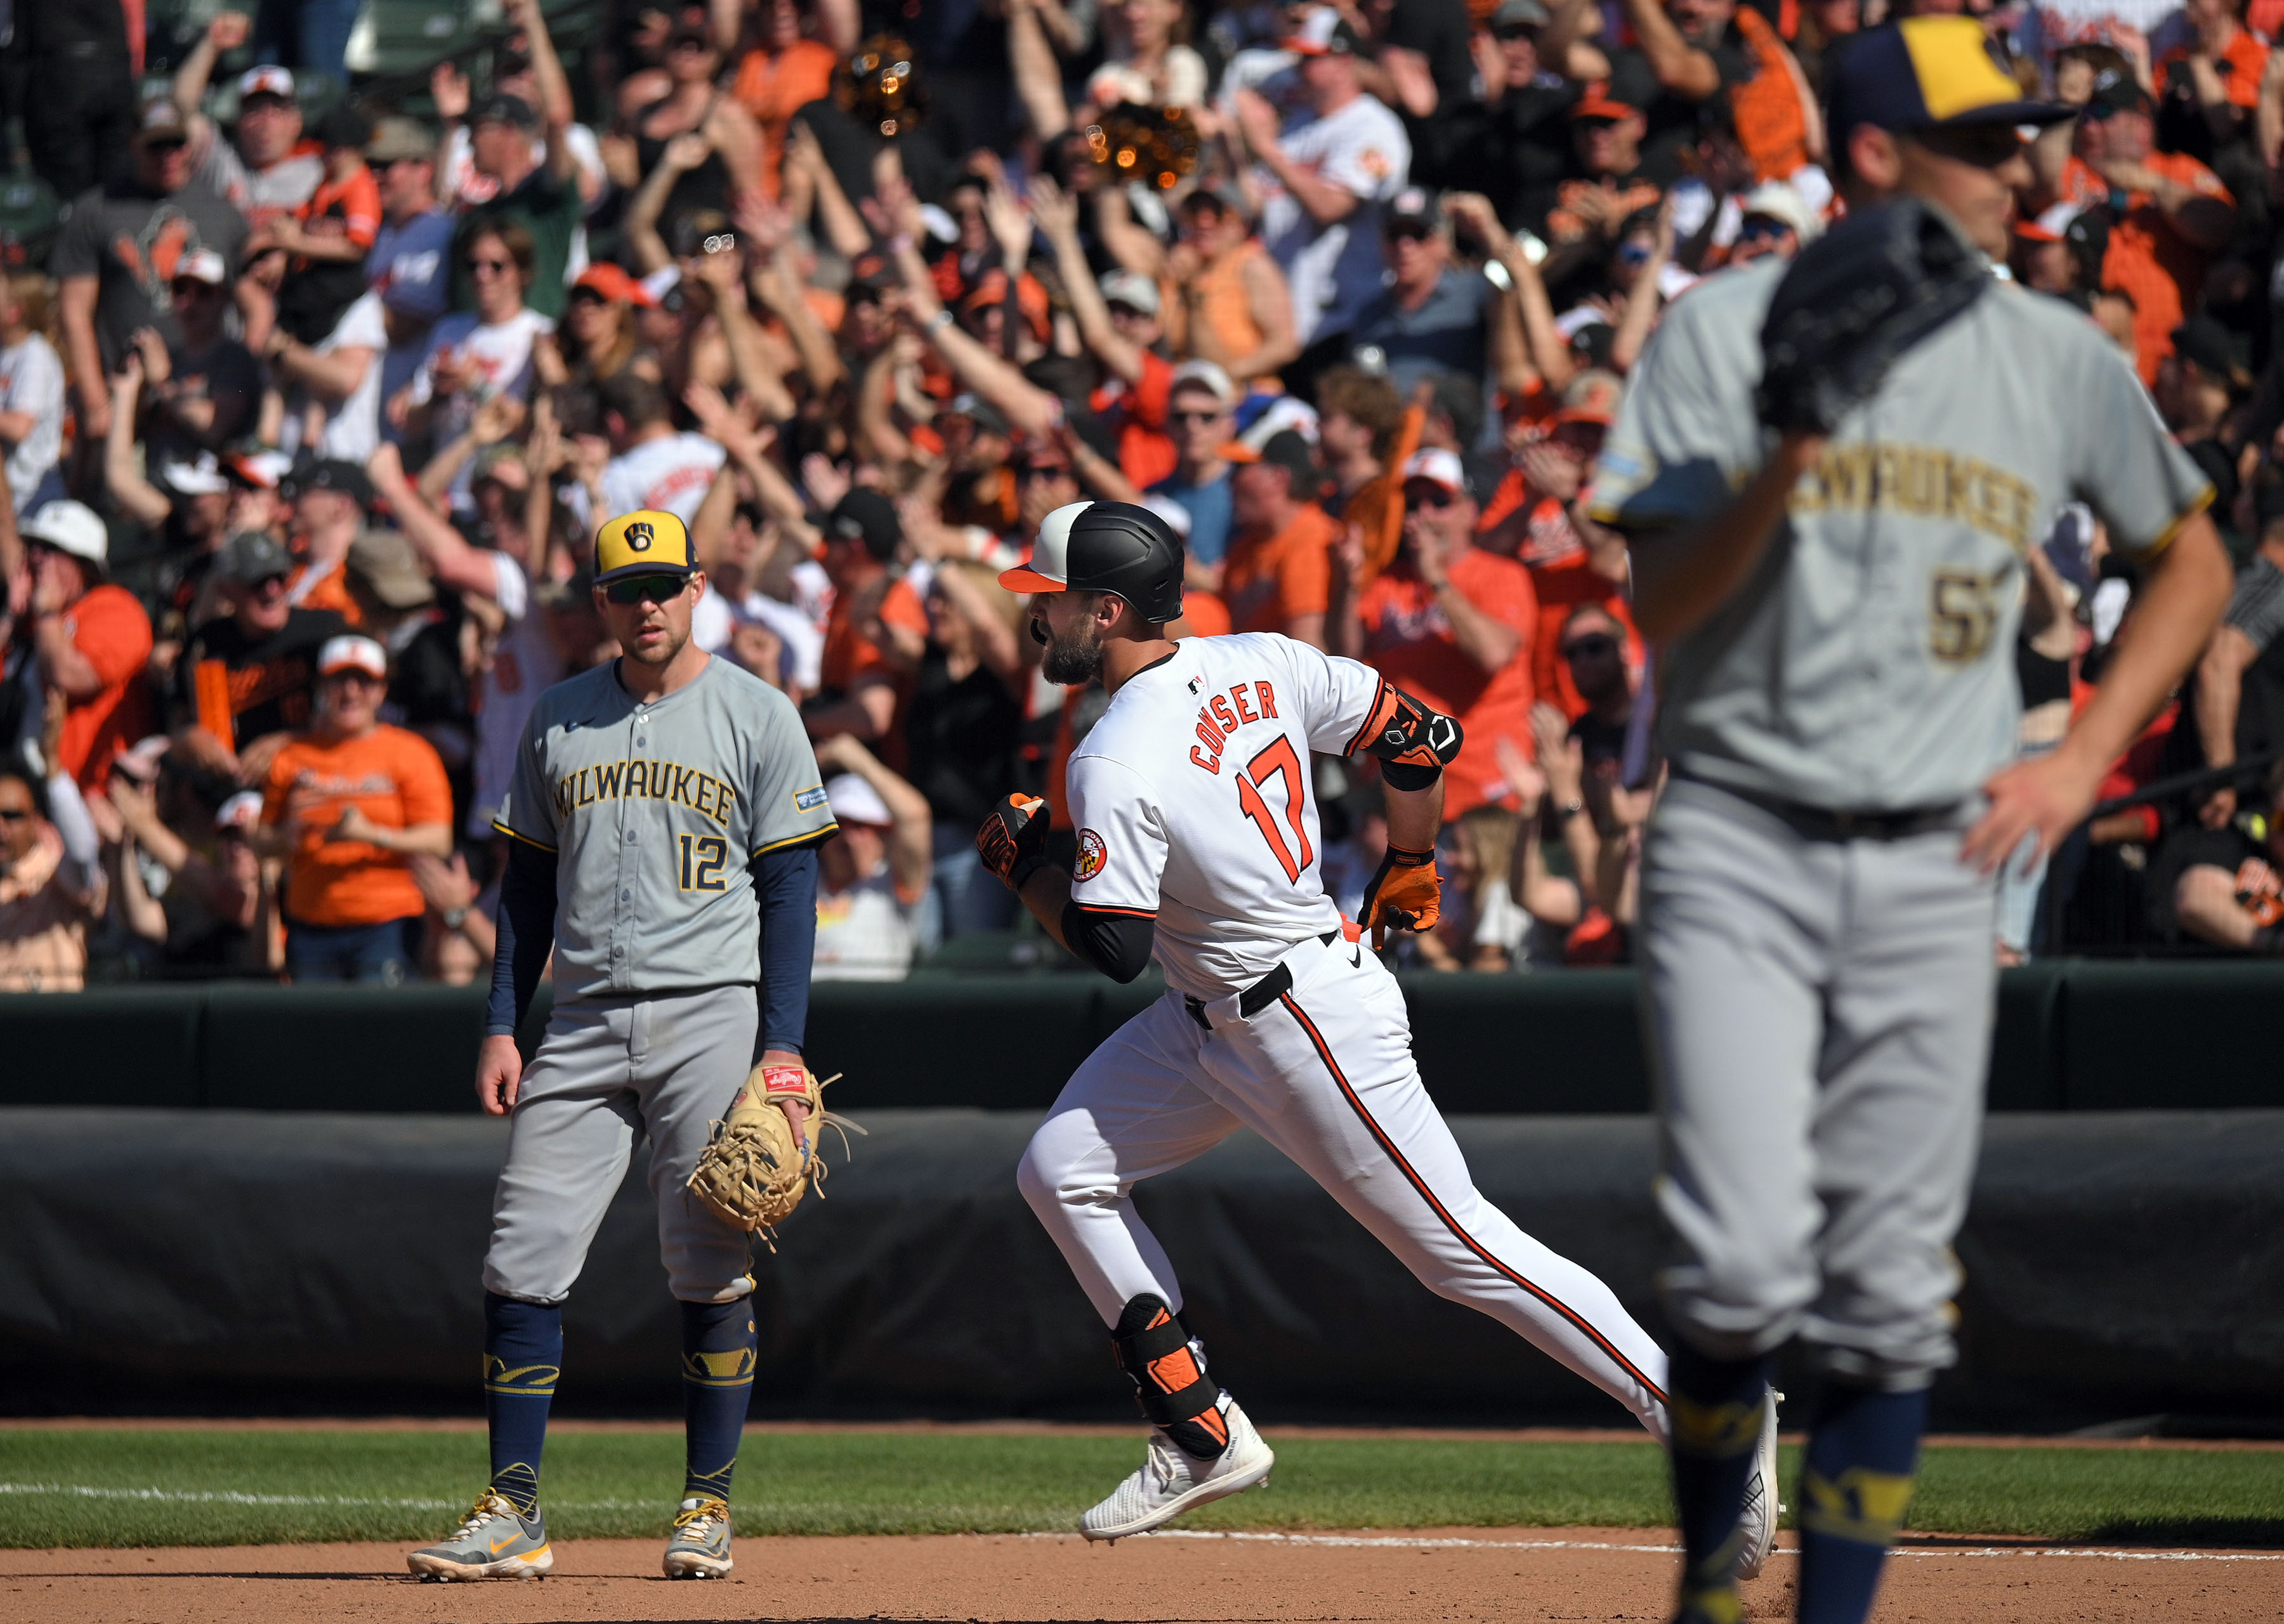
[1356, 959]
[500, 1545]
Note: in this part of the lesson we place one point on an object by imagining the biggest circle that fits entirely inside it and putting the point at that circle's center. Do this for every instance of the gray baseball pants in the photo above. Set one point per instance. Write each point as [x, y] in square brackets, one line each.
[609, 1073]
[1818, 1012]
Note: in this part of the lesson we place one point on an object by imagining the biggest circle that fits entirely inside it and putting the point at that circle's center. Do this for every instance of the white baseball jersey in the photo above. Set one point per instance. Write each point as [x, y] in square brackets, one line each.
[672, 472]
[1193, 802]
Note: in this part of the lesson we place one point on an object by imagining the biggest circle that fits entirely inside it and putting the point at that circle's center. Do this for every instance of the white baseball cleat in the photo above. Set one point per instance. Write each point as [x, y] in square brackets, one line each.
[1172, 1480]
[1763, 1509]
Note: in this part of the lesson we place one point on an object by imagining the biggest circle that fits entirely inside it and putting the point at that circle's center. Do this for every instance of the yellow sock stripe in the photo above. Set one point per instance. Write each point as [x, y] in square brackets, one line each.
[731, 1368]
[1717, 1603]
[1865, 1507]
[519, 1381]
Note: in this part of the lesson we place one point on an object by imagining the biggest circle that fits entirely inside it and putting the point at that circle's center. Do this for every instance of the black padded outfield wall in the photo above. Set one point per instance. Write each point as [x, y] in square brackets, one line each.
[2070, 1036]
[2116, 1266]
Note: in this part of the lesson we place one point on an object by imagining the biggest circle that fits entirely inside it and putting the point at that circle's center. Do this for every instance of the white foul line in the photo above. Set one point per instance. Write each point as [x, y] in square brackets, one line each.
[1397, 1542]
[84, 1491]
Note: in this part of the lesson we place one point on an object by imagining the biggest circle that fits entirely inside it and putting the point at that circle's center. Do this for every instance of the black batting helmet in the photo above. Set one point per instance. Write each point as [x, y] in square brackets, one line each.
[1106, 547]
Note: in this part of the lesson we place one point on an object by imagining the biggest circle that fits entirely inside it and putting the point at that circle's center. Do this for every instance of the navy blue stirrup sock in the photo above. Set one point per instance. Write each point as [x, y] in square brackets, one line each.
[1715, 1408]
[719, 1343]
[523, 1354]
[1855, 1487]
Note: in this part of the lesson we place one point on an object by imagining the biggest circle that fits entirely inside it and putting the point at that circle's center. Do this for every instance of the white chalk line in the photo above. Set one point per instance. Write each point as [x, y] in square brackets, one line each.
[88, 1491]
[183, 1496]
[1396, 1542]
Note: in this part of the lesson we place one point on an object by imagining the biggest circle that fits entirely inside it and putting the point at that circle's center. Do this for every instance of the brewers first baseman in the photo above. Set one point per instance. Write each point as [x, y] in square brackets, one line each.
[662, 823]
[1199, 841]
[1837, 605]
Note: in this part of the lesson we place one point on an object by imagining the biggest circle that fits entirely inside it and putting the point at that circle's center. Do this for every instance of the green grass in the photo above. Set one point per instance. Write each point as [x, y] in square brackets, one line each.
[225, 1486]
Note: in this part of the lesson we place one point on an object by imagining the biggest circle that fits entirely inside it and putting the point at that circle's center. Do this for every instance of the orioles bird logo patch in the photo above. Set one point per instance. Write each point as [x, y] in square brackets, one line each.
[1091, 855]
[639, 537]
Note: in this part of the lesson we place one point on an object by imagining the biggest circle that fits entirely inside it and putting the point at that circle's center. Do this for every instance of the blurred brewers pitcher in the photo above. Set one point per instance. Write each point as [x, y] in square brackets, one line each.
[663, 821]
[1828, 522]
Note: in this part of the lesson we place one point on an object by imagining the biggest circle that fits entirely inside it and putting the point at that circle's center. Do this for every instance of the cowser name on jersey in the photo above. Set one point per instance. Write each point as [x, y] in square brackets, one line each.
[638, 780]
[1225, 713]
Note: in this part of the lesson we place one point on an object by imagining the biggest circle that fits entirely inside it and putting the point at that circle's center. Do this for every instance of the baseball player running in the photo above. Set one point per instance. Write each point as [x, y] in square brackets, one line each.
[1198, 841]
[663, 820]
[1828, 524]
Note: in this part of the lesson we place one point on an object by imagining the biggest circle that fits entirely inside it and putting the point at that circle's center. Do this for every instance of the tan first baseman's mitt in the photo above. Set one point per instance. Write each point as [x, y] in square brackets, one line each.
[755, 1168]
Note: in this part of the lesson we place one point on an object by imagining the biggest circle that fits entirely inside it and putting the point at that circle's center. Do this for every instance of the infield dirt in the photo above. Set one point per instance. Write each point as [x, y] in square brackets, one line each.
[1515, 1575]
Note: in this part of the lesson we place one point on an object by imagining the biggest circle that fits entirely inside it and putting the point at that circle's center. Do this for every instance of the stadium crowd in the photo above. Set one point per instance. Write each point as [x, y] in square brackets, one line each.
[313, 401]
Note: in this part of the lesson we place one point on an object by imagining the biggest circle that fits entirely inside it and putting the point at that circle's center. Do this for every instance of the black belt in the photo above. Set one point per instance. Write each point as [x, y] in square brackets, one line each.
[1824, 824]
[1258, 996]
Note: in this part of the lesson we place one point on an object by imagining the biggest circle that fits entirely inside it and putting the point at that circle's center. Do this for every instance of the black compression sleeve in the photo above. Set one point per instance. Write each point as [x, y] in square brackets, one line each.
[1117, 944]
[785, 883]
[526, 928]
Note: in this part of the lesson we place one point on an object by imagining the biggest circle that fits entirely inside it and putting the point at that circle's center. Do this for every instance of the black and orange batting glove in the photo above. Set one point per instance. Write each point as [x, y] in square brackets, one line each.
[1406, 894]
[1012, 841]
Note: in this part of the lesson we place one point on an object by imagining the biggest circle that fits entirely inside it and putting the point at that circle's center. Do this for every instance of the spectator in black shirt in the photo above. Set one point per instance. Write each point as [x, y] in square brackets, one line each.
[116, 258]
[244, 682]
[2221, 886]
[1593, 643]
[2196, 386]
[1517, 139]
[79, 116]
[961, 730]
[1611, 182]
[204, 387]
[1689, 52]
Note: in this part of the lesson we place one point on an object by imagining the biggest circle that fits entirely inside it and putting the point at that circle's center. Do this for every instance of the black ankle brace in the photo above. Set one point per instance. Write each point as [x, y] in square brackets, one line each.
[1171, 1383]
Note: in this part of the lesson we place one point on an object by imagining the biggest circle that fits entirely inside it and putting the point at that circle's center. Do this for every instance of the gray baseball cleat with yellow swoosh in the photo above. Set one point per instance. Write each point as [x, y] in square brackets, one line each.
[494, 1540]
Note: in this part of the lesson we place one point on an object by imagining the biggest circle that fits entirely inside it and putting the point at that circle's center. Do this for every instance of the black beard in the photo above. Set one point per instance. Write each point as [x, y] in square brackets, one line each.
[1074, 658]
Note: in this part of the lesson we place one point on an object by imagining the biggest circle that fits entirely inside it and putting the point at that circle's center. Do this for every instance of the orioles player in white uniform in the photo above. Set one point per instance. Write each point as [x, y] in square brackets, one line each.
[1199, 841]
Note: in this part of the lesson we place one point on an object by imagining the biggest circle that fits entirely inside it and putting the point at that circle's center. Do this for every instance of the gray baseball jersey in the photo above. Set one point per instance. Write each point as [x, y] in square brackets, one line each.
[1867, 663]
[655, 807]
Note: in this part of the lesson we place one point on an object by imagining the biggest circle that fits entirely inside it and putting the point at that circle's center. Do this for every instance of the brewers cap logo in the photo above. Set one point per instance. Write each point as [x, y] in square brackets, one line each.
[647, 542]
[1091, 855]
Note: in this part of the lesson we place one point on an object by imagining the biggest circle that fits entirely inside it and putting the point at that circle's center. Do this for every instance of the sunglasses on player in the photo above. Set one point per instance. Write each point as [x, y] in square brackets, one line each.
[1596, 646]
[633, 590]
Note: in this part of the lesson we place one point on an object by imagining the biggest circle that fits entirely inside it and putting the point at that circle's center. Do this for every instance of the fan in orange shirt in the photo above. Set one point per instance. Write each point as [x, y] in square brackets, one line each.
[2218, 74]
[2170, 213]
[89, 640]
[348, 804]
[1278, 574]
[873, 634]
[1453, 625]
[1533, 519]
[783, 74]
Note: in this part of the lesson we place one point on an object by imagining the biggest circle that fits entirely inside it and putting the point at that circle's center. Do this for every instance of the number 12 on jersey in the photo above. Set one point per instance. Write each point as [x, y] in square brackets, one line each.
[1278, 761]
[700, 860]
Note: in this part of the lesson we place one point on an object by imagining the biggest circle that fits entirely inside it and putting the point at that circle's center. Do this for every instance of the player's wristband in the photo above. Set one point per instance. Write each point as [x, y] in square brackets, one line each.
[1023, 869]
[1400, 858]
[780, 1081]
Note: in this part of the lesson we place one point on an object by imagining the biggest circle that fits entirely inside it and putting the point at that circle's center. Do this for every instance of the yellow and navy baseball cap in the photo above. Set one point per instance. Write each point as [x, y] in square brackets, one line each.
[1925, 73]
[646, 542]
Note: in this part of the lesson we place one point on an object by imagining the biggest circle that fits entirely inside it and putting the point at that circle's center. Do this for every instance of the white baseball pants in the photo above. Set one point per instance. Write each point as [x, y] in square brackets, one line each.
[1326, 1074]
